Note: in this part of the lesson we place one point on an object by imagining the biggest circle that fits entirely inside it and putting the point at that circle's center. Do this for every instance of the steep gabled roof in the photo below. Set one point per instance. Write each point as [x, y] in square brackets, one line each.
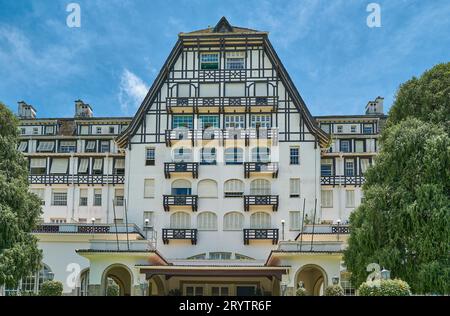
[223, 28]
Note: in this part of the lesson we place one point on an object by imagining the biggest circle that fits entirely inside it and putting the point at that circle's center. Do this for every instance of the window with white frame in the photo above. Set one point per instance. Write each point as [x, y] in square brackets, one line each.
[38, 166]
[345, 145]
[325, 128]
[260, 154]
[207, 188]
[112, 129]
[340, 129]
[150, 156]
[59, 166]
[97, 197]
[326, 167]
[182, 121]
[182, 154]
[209, 61]
[359, 145]
[294, 187]
[208, 121]
[233, 156]
[104, 146]
[353, 129]
[58, 220]
[98, 130]
[84, 130]
[235, 121]
[367, 129]
[119, 166]
[235, 60]
[295, 220]
[261, 121]
[220, 255]
[233, 188]
[35, 131]
[148, 219]
[209, 156]
[83, 165]
[49, 130]
[326, 198]
[190, 290]
[149, 188]
[364, 164]
[349, 167]
[180, 220]
[45, 146]
[349, 198]
[67, 146]
[119, 197]
[40, 192]
[294, 155]
[97, 168]
[233, 221]
[59, 197]
[260, 187]
[83, 197]
[207, 221]
[260, 220]
[23, 146]
[90, 146]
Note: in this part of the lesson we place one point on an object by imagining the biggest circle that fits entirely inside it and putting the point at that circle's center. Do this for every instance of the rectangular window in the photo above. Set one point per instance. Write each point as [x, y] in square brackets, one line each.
[349, 198]
[35, 131]
[349, 170]
[182, 121]
[67, 146]
[294, 187]
[59, 166]
[104, 146]
[220, 291]
[345, 145]
[23, 146]
[326, 167]
[83, 197]
[339, 128]
[59, 197]
[150, 157]
[58, 220]
[83, 165]
[119, 197]
[327, 198]
[119, 167]
[208, 121]
[294, 155]
[235, 121]
[38, 166]
[325, 128]
[40, 193]
[23, 131]
[97, 168]
[112, 130]
[235, 60]
[44, 146]
[353, 129]
[91, 146]
[98, 197]
[295, 220]
[149, 188]
[208, 156]
[194, 291]
[368, 129]
[148, 219]
[98, 130]
[84, 130]
[209, 61]
[359, 146]
[261, 121]
[364, 165]
[49, 130]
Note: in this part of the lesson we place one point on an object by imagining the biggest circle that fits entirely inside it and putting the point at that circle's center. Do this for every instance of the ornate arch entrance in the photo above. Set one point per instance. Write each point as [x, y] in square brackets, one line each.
[313, 278]
[119, 277]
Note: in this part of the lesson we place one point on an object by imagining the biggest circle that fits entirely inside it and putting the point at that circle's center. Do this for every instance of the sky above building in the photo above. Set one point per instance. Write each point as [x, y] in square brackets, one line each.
[337, 62]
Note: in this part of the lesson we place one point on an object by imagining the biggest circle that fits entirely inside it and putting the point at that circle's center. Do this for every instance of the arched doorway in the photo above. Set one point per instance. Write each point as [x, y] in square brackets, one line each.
[117, 281]
[313, 278]
[156, 286]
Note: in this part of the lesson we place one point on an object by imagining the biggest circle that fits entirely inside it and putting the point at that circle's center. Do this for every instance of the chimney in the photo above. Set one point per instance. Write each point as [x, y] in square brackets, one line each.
[376, 106]
[83, 110]
[26, 111]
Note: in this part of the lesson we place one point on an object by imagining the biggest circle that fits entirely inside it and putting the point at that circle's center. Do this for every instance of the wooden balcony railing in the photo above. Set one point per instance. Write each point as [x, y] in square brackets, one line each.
[181, 167]
[261, 200]
[88, 179]
[180, 234]
[261, 234]
[261, 167]
[357, 180]
[180, 200]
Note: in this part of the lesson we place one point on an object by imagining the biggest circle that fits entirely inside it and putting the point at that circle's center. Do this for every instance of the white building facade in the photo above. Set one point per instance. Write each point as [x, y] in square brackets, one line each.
[223, 183]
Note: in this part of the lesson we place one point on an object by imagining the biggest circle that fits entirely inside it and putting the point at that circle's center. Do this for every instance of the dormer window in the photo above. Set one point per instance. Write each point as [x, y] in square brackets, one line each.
[99, 130]
[111, 130]
[209, 61]
[339, 129]
[35, 131]
[49, 130]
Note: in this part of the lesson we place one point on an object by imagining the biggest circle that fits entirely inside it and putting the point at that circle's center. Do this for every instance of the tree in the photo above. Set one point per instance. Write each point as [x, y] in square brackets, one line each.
[51, 288]
[19, 209]
[404, 222]
[426, 98]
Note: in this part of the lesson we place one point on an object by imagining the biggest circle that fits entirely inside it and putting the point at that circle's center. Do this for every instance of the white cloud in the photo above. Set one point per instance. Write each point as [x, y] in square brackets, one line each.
[132, 91]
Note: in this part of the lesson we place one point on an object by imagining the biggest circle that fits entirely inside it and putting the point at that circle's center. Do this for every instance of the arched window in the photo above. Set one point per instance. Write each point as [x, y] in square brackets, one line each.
[182, 154]
[261, 154]
[260, 220]
[180, 220]
[181, 187]
[209, 156]
[207, 221]
[260, 187]
[207, 188]
[233, 188]
[233, 221]
[233, 156]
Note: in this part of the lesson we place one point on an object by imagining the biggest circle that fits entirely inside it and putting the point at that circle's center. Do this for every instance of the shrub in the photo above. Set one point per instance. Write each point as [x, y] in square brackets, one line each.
[394, 287]
[301, 292]
[51, 288]
[112, 290]
[334, 290]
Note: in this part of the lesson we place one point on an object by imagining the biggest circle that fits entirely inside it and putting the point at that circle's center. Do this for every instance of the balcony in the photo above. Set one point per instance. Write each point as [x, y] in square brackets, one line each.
[181, 167]
[179, 234]
[261, 168]
[260, 200]
[76, 179]
[261, 234]
[179, 135]
[357, 180]
[78, 228]
[180, 201]
[221, 104]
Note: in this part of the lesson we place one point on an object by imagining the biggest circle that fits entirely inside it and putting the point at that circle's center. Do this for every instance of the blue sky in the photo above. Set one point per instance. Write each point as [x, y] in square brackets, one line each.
[335, 60]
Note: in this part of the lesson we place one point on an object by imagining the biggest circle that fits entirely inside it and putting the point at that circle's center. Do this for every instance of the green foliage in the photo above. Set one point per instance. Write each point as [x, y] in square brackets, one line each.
[334, 290]
[112, 290]
[426, 98]
[404, 222]
[51, 288]
[384, 288]
[301, 291]
[19, 209]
